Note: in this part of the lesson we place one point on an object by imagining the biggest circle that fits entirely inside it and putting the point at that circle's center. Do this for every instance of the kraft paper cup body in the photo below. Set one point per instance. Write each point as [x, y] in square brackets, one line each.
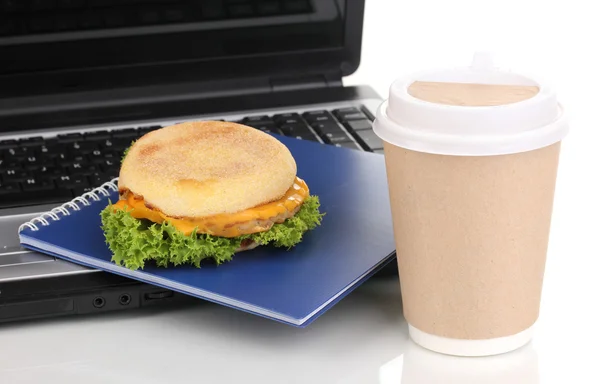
[471, 191]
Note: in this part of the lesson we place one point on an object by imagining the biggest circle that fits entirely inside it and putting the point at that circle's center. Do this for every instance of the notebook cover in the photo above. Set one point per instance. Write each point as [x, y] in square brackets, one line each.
[293, 286]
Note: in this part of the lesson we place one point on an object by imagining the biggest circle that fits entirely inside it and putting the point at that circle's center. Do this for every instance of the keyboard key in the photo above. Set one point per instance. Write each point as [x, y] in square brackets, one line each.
[327, 127]
[82, 169]
[72, 181]
[262, 125]
[103, 157]
[288, 118]
[68, 159]
[297, 129]
[80, 181]
[14, 175]
[21, 198]
[359, 125]
[316, 113]
[33, 162]
[96, 136]
[342, 111]
[63, 160]
[116, 144]
[325, 118]
[118, 155]
[272, 130]
[34, 184]
[334, 138]
[10, 187]
[349, 144]
[75, 158]
[107, 144]
[17, 153]
[125, 133]
[32, 142]
[306, 136]
[257, 119]
[5, 144]
[48, 172]
[79, 165]
[48, 151]
[100, 178]
[369, 139]
[9, 164]
[97, 156]
[349, 116]
[52, 143]
[82, 147]
[70, 137]
[81, 190]
[108, 165]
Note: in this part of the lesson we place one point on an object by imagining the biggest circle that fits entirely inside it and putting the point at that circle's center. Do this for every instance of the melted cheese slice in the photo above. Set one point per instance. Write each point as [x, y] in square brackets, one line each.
[257, 219]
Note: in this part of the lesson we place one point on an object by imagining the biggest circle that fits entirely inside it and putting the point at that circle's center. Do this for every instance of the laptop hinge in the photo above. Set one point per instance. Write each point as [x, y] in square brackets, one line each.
[305, 82]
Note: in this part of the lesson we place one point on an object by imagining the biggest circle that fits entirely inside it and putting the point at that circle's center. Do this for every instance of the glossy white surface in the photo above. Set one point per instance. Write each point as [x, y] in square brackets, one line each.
[364, 339]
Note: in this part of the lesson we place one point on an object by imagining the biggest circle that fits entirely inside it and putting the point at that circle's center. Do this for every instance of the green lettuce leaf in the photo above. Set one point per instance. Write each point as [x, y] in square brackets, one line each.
[135, 242]
[126, 151]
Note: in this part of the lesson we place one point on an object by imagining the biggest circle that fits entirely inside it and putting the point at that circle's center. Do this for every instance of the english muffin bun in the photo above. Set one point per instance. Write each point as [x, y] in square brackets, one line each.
[200, 169]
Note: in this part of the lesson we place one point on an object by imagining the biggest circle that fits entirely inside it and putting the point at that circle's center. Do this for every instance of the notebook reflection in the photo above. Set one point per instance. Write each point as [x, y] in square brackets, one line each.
[421, 366]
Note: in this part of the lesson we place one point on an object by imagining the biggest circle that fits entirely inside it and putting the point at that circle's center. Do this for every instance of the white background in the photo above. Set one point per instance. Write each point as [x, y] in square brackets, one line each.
[558, 41]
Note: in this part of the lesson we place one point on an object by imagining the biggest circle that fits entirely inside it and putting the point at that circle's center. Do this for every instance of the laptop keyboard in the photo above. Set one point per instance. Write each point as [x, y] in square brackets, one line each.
[47, 170]
[24, 17]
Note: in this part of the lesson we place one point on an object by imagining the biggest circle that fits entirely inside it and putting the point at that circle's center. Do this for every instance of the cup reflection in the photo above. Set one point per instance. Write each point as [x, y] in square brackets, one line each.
[421, 366]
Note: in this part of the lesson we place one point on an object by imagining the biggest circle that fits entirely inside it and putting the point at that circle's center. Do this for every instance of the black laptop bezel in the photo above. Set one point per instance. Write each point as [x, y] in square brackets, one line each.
[332, 63]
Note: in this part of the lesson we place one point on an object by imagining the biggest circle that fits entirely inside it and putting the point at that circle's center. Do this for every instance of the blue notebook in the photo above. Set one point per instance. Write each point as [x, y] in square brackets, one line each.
[293, 286]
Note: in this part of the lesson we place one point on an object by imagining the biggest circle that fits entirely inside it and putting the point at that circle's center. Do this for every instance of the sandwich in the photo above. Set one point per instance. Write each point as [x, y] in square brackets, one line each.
[206, 191]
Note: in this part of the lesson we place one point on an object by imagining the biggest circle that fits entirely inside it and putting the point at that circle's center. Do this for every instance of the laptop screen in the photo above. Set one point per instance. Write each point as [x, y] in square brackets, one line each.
[79, 35]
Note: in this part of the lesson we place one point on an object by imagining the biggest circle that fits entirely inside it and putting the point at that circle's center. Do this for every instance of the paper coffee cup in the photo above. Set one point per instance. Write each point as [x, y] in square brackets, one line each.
[471, 157]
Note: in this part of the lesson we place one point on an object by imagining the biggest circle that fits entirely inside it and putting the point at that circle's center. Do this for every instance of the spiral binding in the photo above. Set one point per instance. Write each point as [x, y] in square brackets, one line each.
[83, 199]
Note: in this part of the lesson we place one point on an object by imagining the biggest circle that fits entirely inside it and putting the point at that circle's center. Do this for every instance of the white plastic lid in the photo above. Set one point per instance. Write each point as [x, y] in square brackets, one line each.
[417, 124]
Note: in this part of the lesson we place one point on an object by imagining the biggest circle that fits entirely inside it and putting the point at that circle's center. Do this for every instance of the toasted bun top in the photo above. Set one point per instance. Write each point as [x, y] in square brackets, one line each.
[199, 169]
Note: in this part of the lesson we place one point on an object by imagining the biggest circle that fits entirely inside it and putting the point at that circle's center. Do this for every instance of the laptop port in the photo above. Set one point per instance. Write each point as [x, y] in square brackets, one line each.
[99, 302]
[125, 299]
[158, 295]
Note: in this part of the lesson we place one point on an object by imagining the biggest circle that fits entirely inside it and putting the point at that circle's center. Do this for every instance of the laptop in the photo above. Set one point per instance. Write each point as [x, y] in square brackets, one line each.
[81, 79]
